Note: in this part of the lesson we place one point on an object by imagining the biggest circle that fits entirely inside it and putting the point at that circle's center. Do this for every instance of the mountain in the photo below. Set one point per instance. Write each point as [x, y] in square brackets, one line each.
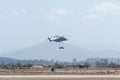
[6, 60]
[50, 51]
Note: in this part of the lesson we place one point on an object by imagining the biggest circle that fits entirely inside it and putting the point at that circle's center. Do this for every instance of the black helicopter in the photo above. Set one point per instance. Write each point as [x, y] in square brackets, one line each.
[58, 39]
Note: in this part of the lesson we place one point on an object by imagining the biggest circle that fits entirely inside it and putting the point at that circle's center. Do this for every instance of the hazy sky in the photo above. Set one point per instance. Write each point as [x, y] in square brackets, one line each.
[93, 24]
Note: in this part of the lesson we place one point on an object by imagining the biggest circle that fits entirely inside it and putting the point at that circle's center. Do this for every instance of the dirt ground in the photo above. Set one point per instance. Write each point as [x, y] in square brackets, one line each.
[63, 71]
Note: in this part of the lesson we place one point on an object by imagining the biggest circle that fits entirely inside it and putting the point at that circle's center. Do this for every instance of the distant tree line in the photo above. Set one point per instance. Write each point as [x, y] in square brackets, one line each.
[104, 63]
[15, 66]
[13, 63]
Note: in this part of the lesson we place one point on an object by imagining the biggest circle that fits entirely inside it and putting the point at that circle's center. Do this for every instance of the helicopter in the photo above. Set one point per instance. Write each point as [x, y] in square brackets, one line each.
[58, 39]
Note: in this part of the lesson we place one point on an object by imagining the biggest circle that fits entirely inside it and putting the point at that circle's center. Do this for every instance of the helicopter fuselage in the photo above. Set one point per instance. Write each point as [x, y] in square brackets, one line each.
[60, 39]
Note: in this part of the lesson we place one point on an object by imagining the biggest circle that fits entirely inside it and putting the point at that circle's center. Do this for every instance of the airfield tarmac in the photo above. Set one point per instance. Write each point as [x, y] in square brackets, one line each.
[59, 77]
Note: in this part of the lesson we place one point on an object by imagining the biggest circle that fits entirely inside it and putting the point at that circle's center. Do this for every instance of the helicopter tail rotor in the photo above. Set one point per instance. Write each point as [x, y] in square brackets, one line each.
[49, 39]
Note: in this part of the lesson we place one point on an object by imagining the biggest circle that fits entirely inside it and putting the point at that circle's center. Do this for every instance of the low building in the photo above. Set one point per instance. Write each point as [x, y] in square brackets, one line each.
[37, 66]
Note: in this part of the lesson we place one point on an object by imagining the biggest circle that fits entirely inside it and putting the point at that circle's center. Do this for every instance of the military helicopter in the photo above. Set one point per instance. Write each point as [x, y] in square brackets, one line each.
[58, 39]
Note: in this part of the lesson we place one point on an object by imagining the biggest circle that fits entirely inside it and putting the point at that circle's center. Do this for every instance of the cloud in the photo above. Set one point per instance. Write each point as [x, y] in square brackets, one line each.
[106, 8]
[52, 18]
[6, 13]
[15, 13]
[91, 16]
[58, 13]
[103, 9]
[61, 11]
[18, 12]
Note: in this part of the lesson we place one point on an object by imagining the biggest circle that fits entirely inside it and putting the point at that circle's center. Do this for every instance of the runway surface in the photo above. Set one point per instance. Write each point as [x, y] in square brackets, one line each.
[59, 76]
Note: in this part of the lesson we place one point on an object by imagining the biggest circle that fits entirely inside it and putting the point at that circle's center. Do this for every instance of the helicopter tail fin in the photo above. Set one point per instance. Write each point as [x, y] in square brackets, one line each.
[49, 39]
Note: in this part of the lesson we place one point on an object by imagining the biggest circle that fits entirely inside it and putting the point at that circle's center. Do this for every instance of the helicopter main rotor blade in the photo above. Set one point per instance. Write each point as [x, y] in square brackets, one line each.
[56, 36]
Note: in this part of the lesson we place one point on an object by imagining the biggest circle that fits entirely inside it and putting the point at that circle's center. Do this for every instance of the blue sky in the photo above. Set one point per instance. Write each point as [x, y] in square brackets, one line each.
[93, 24]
